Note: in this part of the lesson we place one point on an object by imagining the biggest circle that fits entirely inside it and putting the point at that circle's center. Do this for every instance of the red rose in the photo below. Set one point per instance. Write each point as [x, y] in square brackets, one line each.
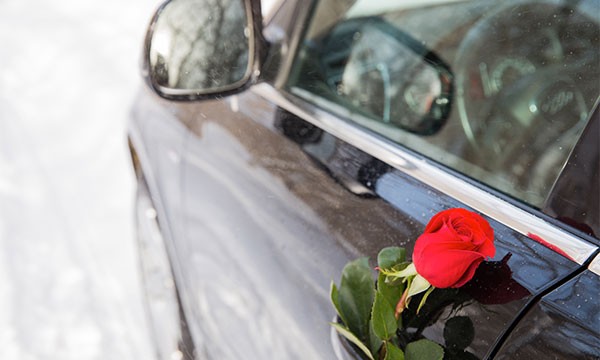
[453, 245]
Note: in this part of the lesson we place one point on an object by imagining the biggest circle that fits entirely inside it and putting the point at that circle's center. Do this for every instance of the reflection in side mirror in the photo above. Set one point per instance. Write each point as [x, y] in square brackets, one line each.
[200, 47]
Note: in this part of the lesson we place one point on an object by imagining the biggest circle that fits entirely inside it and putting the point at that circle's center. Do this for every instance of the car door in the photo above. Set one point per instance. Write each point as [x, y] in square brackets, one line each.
[281, 185]
[566, 320]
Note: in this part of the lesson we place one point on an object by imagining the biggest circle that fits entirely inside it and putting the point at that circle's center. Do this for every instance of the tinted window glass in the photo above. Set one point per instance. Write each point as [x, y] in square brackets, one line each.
[499, 91]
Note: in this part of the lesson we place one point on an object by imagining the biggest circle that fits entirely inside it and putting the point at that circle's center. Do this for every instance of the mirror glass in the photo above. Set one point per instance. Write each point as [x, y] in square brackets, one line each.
[200, 47]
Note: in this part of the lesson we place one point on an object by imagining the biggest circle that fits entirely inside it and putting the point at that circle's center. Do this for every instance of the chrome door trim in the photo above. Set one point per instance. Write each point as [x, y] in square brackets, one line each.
[291, 40]
[423, 170]
[595, 265]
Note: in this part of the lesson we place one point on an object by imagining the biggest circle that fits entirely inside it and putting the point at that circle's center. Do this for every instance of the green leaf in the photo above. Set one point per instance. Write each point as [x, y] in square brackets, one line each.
[392, 291]
[374, 341]
[390, 256]
[392, 352]
[459, 332]
[355, 297]
[352, 338]
[423, 350]
[333, 292]
[384, 321]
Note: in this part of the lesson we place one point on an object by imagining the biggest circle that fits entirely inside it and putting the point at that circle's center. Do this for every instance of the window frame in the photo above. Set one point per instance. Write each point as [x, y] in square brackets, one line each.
[512, 213]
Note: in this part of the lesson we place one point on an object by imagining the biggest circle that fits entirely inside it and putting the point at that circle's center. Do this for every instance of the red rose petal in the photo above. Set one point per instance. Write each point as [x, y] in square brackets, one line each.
[469, 273]
[487, 249]
[453, 269]
[435, 223]
[453, 245]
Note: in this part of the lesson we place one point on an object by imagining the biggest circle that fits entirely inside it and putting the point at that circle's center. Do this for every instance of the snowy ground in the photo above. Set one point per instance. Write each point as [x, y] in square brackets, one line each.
[69, 282]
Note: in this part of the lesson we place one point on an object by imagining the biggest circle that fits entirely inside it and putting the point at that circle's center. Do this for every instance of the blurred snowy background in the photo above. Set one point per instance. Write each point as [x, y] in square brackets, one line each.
[69, 281]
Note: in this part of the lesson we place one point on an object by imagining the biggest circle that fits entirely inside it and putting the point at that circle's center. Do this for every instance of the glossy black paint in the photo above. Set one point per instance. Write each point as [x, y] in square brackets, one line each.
[270, 167]
[260, 210]
[564, 325]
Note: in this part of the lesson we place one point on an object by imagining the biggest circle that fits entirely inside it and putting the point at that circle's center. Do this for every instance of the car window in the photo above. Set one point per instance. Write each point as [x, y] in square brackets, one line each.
[497, 90]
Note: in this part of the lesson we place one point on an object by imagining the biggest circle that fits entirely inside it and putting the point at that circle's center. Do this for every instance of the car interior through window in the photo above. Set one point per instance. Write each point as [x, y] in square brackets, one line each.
[498, 91]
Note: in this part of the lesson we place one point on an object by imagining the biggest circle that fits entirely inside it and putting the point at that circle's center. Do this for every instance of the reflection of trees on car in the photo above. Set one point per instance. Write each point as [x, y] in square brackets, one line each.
[205, 45]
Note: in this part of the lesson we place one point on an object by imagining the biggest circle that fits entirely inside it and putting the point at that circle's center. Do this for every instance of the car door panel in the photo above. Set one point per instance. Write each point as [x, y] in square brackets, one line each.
[267, 225]
[263, 222]
[565, 323]
[483, 199]
[156, 134]
[264, 196]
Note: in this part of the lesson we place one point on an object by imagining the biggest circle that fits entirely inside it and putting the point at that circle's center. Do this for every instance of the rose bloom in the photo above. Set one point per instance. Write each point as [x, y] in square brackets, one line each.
[454, 243]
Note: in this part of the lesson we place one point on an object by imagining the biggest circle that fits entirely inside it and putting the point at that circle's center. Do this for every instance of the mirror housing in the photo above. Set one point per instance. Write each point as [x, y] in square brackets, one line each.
[200, 49]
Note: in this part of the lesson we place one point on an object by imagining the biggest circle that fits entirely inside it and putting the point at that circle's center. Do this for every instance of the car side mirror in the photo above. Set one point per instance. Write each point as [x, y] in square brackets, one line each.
[199, 49]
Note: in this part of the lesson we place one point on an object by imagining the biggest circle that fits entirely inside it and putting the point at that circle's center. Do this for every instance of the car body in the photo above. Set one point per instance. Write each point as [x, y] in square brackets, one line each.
[342, 128]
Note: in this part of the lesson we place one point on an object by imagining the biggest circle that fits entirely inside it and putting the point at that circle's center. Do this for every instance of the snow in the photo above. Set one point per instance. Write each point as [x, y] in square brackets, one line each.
[70, 285]
[69, 275]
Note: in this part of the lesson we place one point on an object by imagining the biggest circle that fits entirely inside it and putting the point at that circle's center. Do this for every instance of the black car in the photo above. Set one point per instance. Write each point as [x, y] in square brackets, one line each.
[271, 150]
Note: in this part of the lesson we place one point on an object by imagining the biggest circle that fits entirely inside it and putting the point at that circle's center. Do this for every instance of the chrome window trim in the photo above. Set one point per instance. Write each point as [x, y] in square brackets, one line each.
[595, 265]
[290, 43]
[476, 198]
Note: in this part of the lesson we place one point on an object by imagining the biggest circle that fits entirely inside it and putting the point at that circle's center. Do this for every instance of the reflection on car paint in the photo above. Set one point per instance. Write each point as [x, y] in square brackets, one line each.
[422, 170]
